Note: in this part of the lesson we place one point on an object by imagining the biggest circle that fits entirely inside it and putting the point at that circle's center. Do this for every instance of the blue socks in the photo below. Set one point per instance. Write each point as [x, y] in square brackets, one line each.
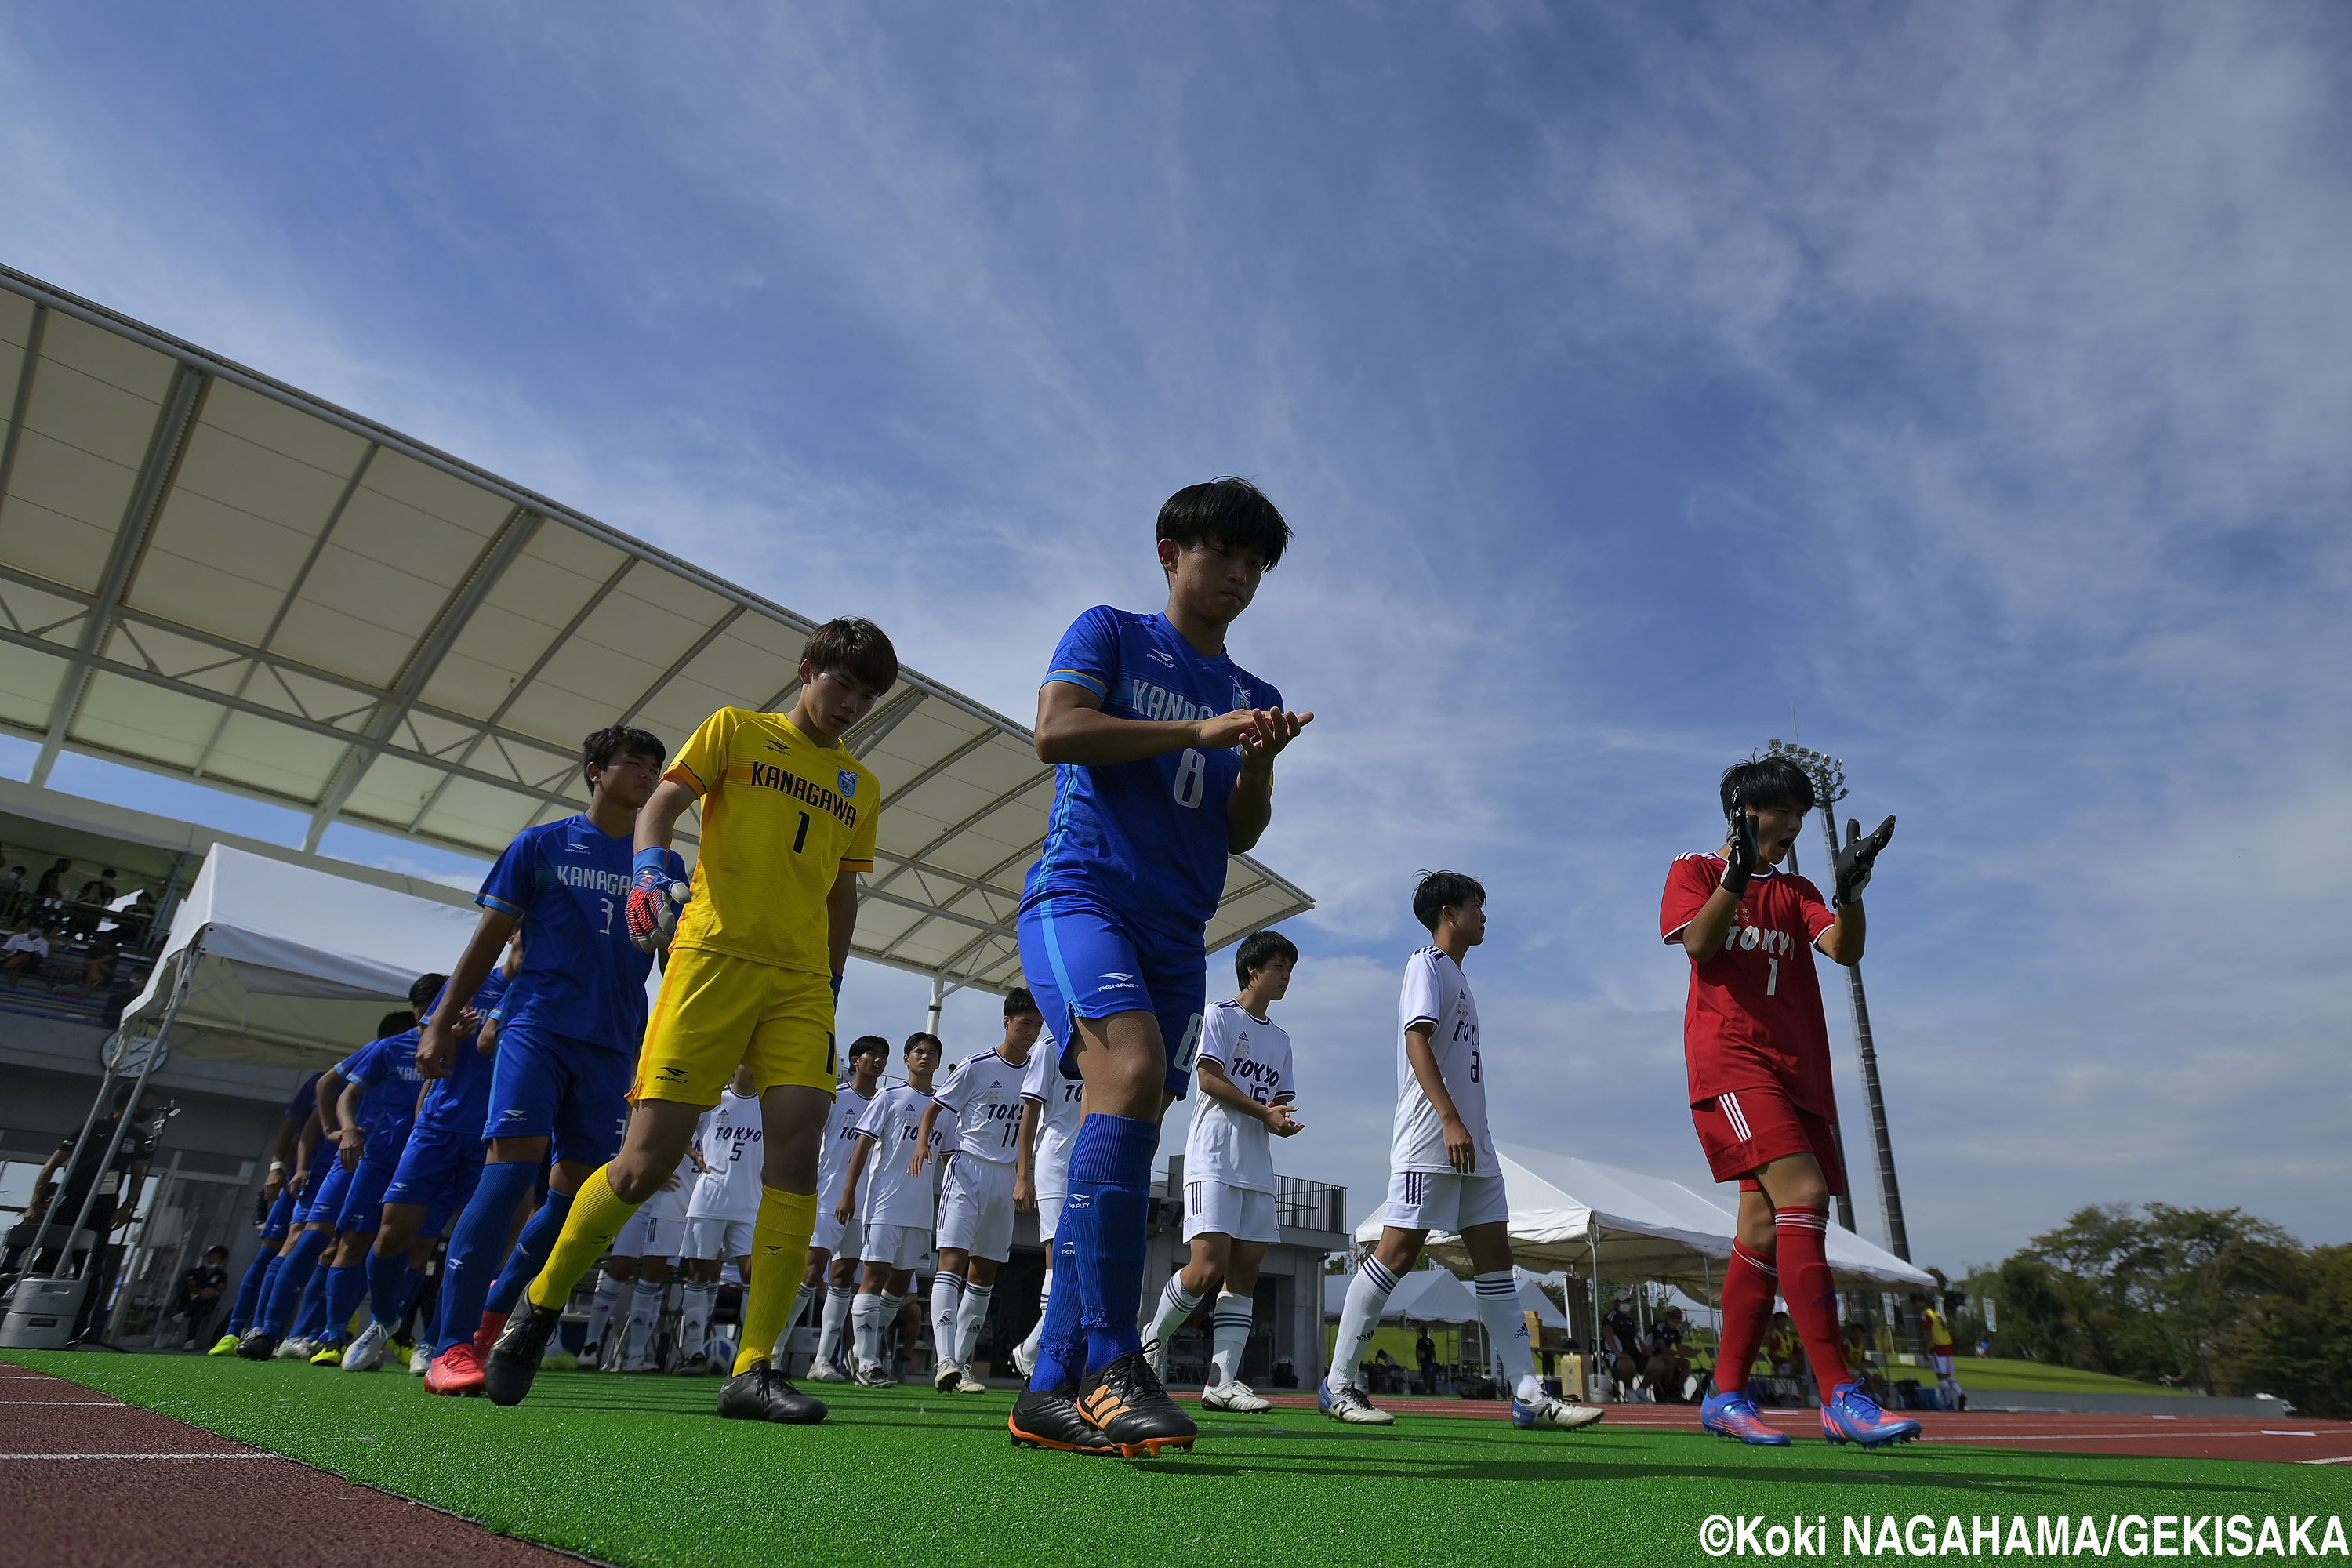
[346, 1284]
[1110, 1166]
[249, 1292]
[476, 1246]
[290, 1278]
[387, 1281]
[1062, 1343]
[311, 1324]
[531, 1251]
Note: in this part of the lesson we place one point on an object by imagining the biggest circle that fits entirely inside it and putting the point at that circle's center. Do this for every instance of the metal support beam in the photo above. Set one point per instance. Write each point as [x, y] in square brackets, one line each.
[678, 665]
[423, 661]
[875, 726]
[155, 476]
[23, 400]
[939, 995]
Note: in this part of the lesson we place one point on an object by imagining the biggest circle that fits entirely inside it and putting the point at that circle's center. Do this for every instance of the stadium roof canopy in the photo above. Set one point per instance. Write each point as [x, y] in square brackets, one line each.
[208, 574]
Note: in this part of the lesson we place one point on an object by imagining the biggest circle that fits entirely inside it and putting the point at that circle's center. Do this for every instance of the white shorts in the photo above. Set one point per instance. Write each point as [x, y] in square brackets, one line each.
[976, 1207]
[1238, 1212]
[826, 1237]
[1049, 1215]
[899, 1246]
[1445, 1200]
[1943, 1365]
[648, 1236]
[720, 1239]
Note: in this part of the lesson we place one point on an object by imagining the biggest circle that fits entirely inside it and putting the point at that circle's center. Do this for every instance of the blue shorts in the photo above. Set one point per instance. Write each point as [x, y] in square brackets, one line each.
[362, 1209]
[575, 1093]
[323, 1203]
[1082, 958]
[437, 1170]
[280, 1218]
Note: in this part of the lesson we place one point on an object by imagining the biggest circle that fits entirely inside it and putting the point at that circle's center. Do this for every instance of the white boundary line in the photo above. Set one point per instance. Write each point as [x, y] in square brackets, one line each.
[24, 1457]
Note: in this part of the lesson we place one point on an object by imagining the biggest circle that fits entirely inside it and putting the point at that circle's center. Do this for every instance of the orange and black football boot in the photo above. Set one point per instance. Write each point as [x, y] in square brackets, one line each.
[1051, 1420]
[1127, 1402]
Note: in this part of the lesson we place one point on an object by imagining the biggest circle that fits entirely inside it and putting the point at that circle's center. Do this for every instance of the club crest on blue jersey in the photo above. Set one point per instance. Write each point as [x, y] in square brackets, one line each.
[848, 780]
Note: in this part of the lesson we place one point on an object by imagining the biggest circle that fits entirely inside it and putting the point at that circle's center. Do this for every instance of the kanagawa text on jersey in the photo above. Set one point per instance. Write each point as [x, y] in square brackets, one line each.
[1146, 700]
[592, 879]
[768, 775]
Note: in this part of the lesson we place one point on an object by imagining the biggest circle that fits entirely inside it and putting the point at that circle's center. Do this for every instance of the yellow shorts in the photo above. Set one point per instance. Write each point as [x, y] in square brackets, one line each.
[716, 1011]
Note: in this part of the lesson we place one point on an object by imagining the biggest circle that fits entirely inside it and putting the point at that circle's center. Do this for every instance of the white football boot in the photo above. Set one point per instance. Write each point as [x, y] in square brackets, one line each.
[1237, 1398]
[365, 1354]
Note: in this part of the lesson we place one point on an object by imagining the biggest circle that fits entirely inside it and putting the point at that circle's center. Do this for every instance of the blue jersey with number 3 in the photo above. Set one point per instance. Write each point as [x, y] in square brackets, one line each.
[568, 883]
[1148, 838]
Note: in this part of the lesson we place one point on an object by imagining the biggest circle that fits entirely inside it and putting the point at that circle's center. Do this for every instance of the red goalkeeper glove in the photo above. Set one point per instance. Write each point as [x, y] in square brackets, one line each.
[656, 898]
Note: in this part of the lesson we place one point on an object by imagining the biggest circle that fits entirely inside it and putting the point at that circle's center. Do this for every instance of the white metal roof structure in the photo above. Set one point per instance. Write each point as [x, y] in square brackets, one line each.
[209, 574]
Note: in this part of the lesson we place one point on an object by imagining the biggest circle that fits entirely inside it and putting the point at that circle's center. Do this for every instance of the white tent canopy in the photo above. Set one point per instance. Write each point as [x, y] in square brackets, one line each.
[287, 966]
[1424, 1296]
[1567, 1212]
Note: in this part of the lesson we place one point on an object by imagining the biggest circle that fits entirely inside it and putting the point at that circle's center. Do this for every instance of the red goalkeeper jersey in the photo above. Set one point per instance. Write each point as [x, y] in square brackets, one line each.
[1754, 1017]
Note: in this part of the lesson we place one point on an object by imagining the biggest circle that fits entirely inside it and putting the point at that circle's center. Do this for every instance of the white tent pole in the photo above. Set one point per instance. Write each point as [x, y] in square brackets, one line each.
[939, 996]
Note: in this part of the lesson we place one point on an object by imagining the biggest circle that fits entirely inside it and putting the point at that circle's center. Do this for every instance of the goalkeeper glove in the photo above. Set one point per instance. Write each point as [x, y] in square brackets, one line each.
[1854, 860]
[656, 898]
[1743, 857]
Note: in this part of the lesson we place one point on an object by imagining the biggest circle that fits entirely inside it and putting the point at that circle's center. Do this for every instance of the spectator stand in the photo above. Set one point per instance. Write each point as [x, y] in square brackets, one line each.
[101, 949]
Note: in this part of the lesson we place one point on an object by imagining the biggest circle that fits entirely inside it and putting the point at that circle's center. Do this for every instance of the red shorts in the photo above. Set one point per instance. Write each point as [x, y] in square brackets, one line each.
[1743, 1131]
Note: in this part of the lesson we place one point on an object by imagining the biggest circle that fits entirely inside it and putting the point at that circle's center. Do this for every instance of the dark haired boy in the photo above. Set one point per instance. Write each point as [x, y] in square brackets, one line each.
[1756, 1047]
[834, 1244]
[566, 1042]
[974, 1232]
[1164, 753]
[757, 946]
[1248, 1099]
[894, 1211]
[1442, 1171]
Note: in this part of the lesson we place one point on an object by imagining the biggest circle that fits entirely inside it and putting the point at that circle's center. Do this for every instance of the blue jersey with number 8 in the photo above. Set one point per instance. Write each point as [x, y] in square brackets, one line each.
[568, 883]
[1146, 837]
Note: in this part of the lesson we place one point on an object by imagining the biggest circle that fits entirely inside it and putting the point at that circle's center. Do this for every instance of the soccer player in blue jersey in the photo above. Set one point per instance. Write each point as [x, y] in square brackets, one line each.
[282, 1192]
[1164, 753]
[381, 1091]
[567, 1044]
[436, 1178]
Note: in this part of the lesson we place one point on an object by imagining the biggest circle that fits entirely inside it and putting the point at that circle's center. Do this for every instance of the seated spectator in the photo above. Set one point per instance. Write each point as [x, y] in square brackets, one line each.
[139, 918]
[47, 891]
[14, 884]
[89, 902]
[1784, 1350]
[1621, 1343]
[1667, 1368]
[200, 1294]
[27, 950]
[97, 963]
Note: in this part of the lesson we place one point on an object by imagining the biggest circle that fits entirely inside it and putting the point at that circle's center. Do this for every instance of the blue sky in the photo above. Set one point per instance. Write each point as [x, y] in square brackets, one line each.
[1964, 389]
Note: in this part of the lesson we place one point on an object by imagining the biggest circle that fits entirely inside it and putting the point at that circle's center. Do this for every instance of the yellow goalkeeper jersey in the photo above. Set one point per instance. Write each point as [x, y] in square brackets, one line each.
[782, 817]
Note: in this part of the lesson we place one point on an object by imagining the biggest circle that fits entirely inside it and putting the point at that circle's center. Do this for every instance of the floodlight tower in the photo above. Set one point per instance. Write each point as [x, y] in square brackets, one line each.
[1828, 774]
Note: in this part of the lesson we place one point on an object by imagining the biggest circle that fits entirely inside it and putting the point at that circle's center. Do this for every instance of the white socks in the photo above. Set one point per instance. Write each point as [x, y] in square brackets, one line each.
[947, 1292]
[645, 1313]
[865, 1320]
[836, 1313]
[599, 1316]
[891, 1301]
[1176, 1304]
[1507, 1331]
[1229, 1327]
[969, 1316]
[694, 1322]
[1368, 1293]
[784, 1340]
[1038, 1329]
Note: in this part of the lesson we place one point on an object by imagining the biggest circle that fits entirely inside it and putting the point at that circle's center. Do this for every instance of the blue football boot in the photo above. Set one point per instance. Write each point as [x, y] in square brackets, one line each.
[1853, 1417]
[1734, 1416]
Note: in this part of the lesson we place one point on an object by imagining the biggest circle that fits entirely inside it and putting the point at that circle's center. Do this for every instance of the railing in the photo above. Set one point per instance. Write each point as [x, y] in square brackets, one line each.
[1298, 1203]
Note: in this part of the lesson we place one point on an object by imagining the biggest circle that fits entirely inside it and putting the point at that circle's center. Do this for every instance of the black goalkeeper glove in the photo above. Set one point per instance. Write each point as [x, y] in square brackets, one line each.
[1855, 860]
[1744, 857]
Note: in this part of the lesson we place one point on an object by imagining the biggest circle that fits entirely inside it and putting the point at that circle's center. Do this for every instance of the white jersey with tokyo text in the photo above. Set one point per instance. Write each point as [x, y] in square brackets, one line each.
[1227, 1146]
[729, 1136]
[840, 1143]
[984, 1095]
[891, 1195]
[1061, 1103]
[1435, 992]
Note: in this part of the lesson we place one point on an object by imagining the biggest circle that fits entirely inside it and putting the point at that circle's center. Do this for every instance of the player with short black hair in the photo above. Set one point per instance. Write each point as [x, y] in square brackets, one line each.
[894, 1211]
[1444, 1172]
[1756, 1046]
[974, 1232]
[558, 1084]
[1164, 750]
[834, 1244]
[1248, 1099]
[758, 944]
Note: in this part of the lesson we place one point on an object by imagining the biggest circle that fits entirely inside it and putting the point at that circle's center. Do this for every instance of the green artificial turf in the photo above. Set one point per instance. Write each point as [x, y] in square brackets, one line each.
[1993, 1371]
[637, 1470]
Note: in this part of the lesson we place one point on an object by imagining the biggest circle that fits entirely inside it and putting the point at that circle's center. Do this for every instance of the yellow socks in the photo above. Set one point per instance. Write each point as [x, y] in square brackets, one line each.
[596, 1217]
[780, 1240]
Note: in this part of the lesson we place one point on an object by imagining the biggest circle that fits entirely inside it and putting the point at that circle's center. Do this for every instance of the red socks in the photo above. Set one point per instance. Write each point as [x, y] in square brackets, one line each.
[1748, 1285]
[1811, 1292]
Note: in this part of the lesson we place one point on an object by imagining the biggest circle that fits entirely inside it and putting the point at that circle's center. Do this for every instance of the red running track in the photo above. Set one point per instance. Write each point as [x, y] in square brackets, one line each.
[87, 1482]
[2293, 1439]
